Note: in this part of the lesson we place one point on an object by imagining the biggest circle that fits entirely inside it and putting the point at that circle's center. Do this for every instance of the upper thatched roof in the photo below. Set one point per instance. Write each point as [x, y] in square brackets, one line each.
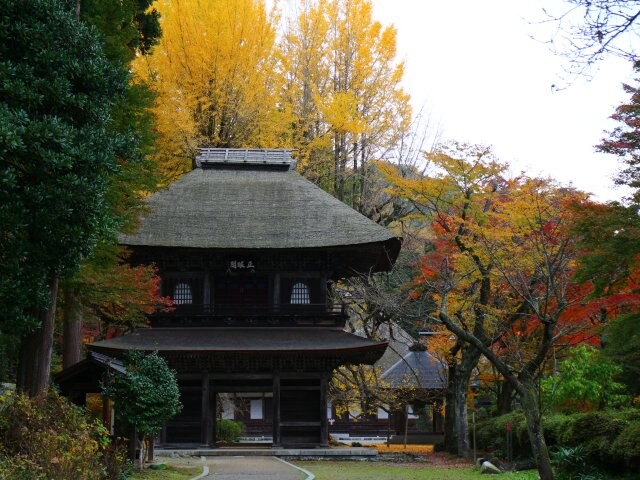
[250, 199]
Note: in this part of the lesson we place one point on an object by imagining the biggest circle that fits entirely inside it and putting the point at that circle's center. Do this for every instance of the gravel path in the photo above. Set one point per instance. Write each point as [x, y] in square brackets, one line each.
[242, 468]
[251, 468]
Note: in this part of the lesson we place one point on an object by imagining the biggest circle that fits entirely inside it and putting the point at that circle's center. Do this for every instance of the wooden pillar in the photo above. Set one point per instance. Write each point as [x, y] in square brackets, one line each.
[324, 421]
[434, 411]
[214, 419]
[276, 291]
[206, 292]
[277, 440]
[205, 412]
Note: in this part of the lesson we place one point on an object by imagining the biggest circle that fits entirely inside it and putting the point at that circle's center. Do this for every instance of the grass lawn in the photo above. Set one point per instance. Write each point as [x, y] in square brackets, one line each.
[171, 473]
[363, 470]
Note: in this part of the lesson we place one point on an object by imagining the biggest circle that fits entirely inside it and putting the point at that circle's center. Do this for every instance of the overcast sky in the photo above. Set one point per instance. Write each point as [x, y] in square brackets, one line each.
[474, 66]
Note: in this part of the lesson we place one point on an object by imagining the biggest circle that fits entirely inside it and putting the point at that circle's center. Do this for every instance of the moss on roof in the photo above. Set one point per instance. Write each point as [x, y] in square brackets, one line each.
[248, 208]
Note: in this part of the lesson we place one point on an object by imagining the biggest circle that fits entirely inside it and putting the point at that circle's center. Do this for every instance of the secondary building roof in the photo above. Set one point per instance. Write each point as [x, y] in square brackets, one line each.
[417, 369]
[251, 199]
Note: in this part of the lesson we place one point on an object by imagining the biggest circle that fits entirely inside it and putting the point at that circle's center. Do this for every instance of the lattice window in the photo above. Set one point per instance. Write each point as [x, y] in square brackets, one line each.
[182, 294]
[300, 294]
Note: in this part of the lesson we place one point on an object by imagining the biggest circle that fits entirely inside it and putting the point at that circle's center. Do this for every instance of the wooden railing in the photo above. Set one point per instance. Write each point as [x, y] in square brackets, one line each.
[303, 315]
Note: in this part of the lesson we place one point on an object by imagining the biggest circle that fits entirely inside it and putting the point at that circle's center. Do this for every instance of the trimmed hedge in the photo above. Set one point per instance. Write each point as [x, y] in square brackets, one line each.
[611, 439]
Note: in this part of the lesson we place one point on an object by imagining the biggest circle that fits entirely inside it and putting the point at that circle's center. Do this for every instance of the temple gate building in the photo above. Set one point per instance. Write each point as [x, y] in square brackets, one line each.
[249, 251]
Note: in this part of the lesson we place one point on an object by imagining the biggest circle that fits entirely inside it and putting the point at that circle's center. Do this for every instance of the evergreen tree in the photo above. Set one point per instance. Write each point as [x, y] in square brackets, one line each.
[58, 153]
[130, 28]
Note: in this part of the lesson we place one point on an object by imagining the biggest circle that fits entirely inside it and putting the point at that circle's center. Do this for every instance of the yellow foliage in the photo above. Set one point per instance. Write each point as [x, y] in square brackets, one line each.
[215, 73]
[343, 87]
[412, 449]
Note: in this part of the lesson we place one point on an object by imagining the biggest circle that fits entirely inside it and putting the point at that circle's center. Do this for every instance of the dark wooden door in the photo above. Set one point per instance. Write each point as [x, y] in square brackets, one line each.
[241, 293]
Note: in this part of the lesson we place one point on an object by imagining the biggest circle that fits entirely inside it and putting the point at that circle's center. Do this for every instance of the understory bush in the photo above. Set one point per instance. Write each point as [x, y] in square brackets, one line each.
[491, 434]
[49, 438]
[602, 440]
[229, 430]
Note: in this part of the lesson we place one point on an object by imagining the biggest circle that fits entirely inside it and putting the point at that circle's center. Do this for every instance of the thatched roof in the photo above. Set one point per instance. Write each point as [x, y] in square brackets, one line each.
[251, 199]
[417, 369]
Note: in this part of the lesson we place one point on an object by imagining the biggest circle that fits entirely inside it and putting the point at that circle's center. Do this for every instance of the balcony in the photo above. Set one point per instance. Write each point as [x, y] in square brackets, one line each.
[240, 315]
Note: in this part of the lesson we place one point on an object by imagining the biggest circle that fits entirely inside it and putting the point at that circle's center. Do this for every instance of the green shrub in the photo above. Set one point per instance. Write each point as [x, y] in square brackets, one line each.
[626, 447]
[556, 427]
[20, 467]
[229, 430]
[491, 434]
[607, 440]
[48, 437]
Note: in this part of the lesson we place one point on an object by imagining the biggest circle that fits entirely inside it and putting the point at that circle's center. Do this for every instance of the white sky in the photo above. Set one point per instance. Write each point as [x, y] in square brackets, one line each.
[473, 66]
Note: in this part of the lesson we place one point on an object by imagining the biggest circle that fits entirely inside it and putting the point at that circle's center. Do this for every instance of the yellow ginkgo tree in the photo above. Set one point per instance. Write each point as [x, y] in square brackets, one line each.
[216, 78]
[343, 85]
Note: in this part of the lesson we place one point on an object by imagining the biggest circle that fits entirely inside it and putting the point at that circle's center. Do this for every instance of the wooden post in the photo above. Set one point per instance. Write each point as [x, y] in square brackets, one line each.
[206, 292]
[211, 418]
[214, 419]
[205, 411]
[276, 292]
[324, 421]
[406, 424]
[276, 410]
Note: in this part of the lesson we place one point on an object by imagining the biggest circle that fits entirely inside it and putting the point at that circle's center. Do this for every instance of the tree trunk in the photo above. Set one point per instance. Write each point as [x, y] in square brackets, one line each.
[461, 418]
[532, 414]
[36, 348]
[143, 451]
[450, 437]
[72, 338]
[504, 398]
[27, 361]
[43, 372]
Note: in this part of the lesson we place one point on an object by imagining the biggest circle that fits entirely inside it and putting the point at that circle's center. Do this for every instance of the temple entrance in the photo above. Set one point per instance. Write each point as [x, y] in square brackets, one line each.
[276, 410]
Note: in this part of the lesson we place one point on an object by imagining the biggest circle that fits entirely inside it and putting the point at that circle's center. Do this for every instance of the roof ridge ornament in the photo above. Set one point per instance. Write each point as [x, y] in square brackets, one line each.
[277, 158]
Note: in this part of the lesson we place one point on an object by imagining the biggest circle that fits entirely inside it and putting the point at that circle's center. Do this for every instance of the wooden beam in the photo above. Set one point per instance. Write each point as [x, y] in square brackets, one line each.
[241, 376]
[300, 424]
[240, 389]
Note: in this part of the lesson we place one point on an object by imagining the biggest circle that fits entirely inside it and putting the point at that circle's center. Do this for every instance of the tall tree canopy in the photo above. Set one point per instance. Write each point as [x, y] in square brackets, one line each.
[215, 76]
[343, 86]
[58, 153]
[500, 270]
[129, 28]
[328, 86]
